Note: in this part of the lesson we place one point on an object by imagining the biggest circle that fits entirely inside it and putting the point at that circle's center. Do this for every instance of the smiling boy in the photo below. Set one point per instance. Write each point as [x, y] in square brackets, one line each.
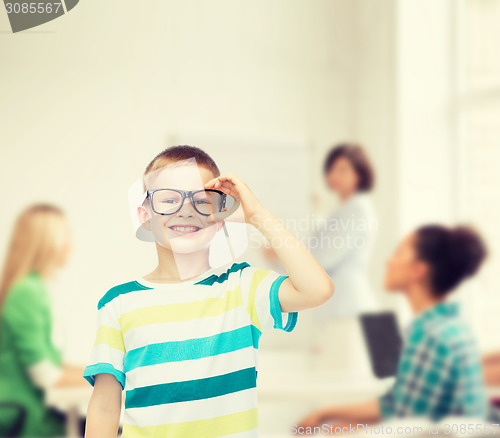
[182, 340]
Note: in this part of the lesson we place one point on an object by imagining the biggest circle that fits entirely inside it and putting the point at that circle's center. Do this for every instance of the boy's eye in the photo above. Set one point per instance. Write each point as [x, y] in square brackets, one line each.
[169, 201]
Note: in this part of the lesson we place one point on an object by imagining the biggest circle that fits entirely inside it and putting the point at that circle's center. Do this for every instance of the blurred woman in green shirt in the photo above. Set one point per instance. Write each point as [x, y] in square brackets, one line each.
[29, 361]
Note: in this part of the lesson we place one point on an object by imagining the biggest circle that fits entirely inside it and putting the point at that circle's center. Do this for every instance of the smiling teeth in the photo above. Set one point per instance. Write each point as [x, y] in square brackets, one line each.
[185, 229]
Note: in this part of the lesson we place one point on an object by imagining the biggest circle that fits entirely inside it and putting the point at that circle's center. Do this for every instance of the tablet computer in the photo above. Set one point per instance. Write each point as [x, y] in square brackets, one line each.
[382, 337]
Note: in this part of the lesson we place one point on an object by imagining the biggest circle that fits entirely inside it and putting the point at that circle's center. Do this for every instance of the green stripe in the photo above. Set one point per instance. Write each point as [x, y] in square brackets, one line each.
[114, 292]
[276, 307]
[190, 349]
[235, 267]
[103, 367]
[190, 390]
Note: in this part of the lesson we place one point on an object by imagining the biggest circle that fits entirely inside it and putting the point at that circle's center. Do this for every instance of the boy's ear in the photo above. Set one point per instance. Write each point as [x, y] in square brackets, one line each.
[144, 217]
[144, 231]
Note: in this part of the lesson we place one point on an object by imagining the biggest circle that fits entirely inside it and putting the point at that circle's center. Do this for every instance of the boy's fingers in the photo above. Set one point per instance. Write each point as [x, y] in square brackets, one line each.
[222, 186]
[225, 215]
[225, 190]
[229, 191]
[229, 177]
[228, 184]
[210, 183]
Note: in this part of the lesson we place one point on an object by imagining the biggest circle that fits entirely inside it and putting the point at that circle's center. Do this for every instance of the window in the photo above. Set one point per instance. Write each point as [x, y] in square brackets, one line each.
[478, 137]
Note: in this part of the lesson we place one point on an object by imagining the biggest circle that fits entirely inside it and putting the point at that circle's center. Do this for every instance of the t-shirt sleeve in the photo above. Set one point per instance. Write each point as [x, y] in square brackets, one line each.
[29, 319]
[259, 289]
[108, 351]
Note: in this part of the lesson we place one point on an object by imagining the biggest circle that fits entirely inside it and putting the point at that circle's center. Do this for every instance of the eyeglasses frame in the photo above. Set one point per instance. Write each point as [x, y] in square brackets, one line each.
[185, 194]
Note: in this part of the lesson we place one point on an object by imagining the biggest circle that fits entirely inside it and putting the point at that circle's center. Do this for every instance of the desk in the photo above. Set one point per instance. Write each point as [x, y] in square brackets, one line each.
[290, 386]
[287, 396]
[493, 391]
[304, 388]
[315, 386]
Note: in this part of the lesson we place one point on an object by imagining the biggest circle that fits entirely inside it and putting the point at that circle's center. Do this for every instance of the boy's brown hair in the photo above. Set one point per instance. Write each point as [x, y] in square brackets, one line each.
[179, 153]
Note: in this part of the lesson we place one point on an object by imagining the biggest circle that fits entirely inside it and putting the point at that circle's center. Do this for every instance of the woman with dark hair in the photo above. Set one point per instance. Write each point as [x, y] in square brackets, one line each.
[344, 242]
[439, 373]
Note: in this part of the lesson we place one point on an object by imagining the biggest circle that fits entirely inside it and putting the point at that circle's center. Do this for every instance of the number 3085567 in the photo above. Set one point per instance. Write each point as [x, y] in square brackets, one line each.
[33, 8]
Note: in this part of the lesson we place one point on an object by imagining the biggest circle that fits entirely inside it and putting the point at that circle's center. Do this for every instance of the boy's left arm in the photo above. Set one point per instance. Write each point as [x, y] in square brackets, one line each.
[307, 285]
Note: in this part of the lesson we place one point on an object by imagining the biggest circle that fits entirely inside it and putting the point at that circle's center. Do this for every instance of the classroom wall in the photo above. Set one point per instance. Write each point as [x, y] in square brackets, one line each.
[82, 114]
[82, 129]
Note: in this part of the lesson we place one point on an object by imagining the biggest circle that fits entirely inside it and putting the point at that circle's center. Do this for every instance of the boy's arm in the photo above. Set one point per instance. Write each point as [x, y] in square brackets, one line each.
[103, 413]
[308, 284]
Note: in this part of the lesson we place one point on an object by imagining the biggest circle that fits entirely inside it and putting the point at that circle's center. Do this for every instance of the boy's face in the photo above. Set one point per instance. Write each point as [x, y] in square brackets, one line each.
[185, 231]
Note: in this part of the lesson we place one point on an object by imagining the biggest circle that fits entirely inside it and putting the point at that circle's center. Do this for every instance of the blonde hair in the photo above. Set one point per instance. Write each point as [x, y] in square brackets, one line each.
[37, 240]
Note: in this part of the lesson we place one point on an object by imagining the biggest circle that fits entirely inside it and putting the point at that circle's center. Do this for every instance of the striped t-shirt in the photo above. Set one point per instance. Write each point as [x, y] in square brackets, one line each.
[186, 353]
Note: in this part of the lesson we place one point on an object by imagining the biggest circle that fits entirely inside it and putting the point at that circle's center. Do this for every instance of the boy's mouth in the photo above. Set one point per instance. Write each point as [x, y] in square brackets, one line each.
[184, 230]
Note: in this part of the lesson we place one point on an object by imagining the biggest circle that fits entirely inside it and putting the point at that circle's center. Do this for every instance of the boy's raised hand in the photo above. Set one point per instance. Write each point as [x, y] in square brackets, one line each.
[308, 284]
[233, 186]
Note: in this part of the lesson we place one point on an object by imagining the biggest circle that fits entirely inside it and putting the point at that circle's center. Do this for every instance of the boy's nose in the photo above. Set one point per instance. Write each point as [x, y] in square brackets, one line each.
[187, 209]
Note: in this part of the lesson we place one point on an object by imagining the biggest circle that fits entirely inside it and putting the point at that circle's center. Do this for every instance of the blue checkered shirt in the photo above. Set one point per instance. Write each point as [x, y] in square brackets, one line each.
[439, 372]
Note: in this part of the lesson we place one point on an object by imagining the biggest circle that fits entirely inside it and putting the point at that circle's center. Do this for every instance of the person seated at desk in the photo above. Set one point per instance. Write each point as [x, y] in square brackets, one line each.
[29, 361]
[439, 373]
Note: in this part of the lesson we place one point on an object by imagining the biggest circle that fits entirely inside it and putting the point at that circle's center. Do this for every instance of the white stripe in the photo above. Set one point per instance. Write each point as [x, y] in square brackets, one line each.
[105, 316]
[192, 369]
[192, 410]
[184, 330]
[263, 303]
[158, 297]
[104, 353]
[246, 281]
[183, 293]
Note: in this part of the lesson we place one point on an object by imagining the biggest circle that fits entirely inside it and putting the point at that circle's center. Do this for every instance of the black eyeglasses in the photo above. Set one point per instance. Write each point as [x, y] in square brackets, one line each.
[170, 201]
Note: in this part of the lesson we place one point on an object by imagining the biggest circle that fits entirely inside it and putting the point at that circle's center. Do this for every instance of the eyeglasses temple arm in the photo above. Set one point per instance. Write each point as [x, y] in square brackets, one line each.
[228, 240]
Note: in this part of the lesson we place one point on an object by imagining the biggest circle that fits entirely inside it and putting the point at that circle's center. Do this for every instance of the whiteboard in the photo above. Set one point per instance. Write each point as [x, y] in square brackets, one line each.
[277, 170]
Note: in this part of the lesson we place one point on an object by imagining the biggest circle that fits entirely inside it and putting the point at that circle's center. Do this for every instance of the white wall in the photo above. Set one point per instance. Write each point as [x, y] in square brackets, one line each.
[375, 117]
[90, 98]
[404, 87]
[424, 105]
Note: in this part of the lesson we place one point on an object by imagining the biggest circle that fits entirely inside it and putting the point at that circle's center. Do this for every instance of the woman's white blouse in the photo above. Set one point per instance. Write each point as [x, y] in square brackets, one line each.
[343, 244]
